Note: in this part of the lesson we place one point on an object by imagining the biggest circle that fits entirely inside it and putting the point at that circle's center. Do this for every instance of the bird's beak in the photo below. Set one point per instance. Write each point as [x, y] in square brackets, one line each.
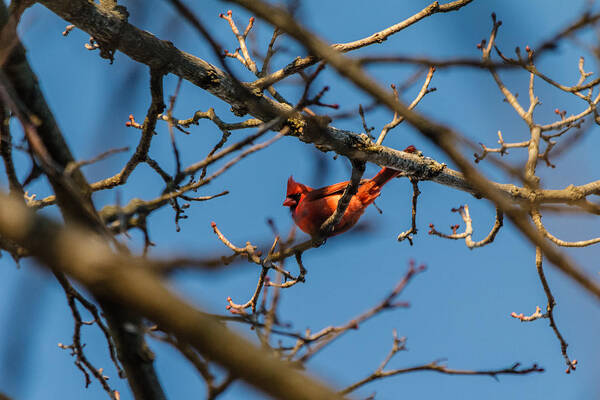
[289, 202]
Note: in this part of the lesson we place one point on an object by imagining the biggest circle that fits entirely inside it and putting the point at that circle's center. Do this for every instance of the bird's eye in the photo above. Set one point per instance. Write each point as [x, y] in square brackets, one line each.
[295, 197]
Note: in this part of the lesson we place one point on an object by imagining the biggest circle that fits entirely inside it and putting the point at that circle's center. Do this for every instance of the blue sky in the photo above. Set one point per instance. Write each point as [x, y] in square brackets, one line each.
[460, 307]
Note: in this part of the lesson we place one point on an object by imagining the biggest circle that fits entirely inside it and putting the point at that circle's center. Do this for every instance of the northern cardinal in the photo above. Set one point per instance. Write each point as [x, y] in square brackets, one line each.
[311, 207]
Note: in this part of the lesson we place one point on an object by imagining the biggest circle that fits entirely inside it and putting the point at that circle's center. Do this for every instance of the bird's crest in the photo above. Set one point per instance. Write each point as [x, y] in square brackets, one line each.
[294, 192]
[294, 187]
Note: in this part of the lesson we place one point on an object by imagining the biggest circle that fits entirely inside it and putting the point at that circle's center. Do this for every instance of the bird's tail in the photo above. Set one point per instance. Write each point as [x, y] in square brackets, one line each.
[384, 176]
[386, 173]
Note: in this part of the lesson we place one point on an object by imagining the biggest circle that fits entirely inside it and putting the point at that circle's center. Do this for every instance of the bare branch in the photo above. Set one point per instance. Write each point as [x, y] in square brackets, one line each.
[398, 119]
[436, 367]
[468, 233]
[378, 37]
[358, 169]
[141, 152]
[408, 234]
[81, 361]
[571, 364]
[325, 336]
[537, 219]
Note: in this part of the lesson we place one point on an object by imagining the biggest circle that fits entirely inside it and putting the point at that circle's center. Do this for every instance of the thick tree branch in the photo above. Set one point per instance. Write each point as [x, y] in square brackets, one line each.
[147, 49]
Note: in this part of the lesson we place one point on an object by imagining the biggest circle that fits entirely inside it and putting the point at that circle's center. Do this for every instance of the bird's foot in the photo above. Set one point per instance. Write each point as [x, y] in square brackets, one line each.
[318, 241]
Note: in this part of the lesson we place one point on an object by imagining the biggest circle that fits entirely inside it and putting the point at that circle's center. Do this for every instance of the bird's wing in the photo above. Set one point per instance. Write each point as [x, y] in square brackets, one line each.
[336, 188]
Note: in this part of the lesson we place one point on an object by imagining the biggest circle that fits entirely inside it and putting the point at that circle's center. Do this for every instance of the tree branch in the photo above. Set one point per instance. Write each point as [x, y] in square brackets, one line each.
[147, 49]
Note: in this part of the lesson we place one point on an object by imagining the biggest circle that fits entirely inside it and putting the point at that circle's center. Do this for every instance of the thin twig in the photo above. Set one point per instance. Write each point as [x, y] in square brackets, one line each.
[397, 118]
[327, 335]
[81, 361]
[436, 367]
[300, 64]
[571, 364]
[408, 234]
[468, 232]
[76, 165]
[537, 219]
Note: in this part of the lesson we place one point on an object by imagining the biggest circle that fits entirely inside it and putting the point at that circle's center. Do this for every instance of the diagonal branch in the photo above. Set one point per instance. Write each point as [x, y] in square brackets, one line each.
[377, 37]
[130, 283]
[358, 169]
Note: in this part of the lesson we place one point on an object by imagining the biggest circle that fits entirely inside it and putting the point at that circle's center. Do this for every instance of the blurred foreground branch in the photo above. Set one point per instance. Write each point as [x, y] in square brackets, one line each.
[127, 281]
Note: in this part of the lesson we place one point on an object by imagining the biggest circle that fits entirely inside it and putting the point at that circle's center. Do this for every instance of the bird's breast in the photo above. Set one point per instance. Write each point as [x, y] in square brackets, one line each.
[310, 215]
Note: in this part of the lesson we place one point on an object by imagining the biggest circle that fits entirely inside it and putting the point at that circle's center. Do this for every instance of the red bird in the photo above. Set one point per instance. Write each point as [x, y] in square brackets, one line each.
[311, 207]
